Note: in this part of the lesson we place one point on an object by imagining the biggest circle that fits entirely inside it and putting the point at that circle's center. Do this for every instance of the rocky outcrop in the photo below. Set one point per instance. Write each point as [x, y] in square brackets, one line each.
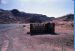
[15, 16]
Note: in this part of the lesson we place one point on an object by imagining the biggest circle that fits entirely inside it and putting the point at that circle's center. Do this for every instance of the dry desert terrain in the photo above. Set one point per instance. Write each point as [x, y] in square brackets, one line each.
[17, 39]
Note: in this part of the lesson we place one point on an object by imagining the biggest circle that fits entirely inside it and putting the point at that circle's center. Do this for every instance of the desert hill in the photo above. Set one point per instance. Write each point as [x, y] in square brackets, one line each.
[16, 16]
[68, 17]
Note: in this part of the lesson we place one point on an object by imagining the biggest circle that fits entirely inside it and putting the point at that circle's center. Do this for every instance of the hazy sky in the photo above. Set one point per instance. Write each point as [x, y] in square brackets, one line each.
[50, 8]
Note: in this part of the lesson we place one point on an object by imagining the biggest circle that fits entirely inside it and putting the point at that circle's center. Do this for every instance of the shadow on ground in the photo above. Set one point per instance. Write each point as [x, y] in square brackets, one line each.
[32, 34]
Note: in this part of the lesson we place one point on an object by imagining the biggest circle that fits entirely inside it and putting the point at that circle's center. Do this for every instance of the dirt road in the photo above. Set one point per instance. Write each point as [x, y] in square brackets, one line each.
[17, 39]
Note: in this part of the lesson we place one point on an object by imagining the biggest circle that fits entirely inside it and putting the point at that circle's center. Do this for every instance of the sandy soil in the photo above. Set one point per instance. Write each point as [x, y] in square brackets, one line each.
[17, 39]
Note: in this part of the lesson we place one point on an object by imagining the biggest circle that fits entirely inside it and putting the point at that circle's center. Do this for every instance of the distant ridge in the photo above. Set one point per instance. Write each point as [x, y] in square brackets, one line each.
[68, 17]
[16, 16]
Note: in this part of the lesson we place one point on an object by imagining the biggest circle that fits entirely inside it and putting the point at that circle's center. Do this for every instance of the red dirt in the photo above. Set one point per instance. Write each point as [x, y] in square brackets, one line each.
[18, 40]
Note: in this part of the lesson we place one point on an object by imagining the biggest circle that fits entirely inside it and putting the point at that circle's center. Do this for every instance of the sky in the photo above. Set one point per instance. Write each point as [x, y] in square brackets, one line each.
[51, 8]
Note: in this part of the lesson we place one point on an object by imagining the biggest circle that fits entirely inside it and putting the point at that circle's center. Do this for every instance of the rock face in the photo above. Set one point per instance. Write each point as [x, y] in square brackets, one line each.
[15, 16]
[6, 17]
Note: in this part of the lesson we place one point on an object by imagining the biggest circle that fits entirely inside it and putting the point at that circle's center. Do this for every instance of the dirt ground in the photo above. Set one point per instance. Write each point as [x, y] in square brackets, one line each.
[17, 39]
